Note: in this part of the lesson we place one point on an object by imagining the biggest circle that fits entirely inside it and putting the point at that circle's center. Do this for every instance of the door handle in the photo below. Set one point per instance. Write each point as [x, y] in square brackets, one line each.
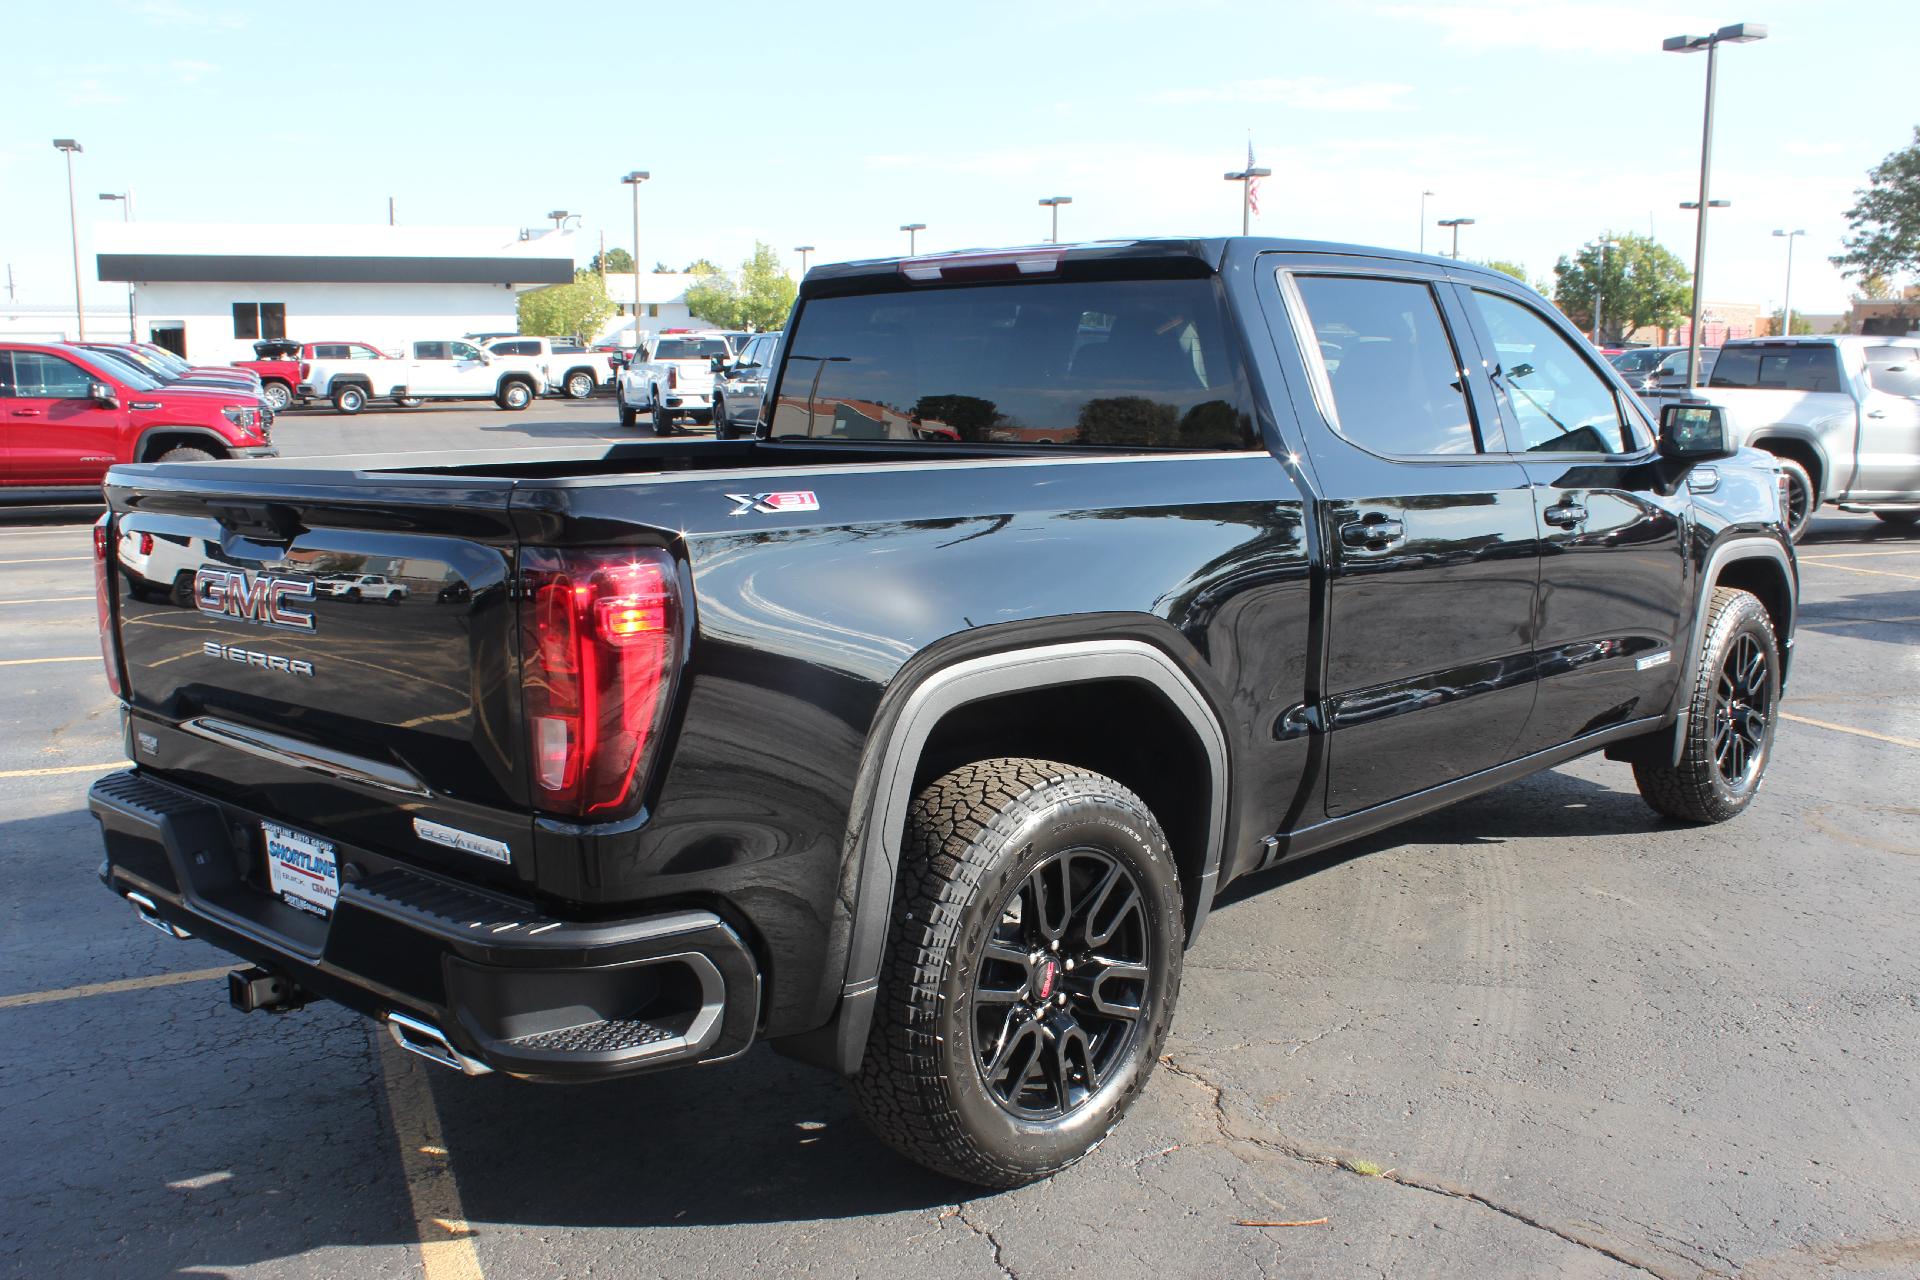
[26, 413]
[1372, 532]
[1567, 515]
[1876, 413]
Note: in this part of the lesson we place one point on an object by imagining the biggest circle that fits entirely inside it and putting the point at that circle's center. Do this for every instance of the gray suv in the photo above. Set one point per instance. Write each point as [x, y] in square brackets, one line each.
[739, 387]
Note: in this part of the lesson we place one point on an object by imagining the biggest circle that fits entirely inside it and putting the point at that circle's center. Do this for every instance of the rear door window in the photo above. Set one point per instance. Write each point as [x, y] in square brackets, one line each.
[1099, 363]
[1894, 370]
[1804, 367]
[1397, 385]
[431, 351]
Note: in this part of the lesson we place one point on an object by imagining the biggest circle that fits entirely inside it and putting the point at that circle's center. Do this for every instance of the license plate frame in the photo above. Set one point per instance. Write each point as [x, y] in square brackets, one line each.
[303, 871]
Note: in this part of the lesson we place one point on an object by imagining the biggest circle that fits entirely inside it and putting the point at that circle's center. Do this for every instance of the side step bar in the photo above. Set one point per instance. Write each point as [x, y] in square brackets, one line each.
[432, 1044]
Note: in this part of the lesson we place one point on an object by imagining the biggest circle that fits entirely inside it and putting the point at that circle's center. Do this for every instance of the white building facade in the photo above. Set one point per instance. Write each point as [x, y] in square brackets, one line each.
[211, 291]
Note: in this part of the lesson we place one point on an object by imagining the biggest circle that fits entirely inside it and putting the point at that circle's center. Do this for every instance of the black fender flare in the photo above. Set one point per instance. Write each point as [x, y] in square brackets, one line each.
[1729, 551]
[883, 788]
[222, 446]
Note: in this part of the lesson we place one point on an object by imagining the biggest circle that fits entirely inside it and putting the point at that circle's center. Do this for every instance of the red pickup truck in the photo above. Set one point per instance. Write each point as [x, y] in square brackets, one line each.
[277, 362]
[66, 415]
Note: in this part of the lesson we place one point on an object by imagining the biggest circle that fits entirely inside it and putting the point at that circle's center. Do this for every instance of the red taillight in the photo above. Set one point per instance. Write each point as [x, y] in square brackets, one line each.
[598, 644]
[673, 376]
[103, 600]
[306, 371]
[146, 544]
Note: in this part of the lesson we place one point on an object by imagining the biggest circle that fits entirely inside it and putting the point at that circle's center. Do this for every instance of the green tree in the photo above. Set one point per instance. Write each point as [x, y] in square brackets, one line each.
[1643, 283]
[1885, 218]
[567, 310]
[759, 300]
[701, 267]
[1800, 323]
[662, 269]
[618, 262]
[1513, 269]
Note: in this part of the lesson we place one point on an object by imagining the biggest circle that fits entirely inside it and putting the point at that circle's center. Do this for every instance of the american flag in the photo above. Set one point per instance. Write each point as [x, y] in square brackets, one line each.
[1253, 184]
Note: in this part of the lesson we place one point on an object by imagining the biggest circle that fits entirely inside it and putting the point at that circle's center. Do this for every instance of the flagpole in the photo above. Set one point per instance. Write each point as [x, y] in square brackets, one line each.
[1246, 179]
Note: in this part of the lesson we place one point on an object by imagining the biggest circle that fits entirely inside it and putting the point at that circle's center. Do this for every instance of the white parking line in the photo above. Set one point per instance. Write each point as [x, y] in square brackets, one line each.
[1859, 733]
[48, 560]
[27, 998]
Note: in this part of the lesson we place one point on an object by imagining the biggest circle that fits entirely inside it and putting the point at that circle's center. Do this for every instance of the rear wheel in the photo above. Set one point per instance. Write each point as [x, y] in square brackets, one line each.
[278, 395]
[665, 420]
[515, 395]
[349, 399]
[1031, 973]
[1730, 720]
[1801, 497]
[579, 384]
[409, 402]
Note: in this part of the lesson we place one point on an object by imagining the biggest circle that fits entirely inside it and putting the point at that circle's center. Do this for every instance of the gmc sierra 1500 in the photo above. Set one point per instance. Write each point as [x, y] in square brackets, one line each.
[1060, 587]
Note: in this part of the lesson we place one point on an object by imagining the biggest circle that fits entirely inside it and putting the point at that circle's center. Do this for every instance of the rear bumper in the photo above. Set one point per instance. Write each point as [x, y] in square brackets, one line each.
[510, 989]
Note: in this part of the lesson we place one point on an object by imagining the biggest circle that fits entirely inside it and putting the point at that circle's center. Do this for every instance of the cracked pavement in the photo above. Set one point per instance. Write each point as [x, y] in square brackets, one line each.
[1540, 1034]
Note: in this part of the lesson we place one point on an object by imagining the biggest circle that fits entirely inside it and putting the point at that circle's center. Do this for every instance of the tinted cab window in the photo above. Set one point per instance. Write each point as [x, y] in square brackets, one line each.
[1394, 372]
[1781, 368]
[1549, 390]
[1113, 363]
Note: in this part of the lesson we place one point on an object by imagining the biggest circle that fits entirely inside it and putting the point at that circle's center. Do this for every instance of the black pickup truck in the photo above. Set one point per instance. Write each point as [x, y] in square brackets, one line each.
[916, 734]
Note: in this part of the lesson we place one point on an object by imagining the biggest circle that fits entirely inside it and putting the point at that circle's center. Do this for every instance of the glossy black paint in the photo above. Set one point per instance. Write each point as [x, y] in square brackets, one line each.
[1352, 679]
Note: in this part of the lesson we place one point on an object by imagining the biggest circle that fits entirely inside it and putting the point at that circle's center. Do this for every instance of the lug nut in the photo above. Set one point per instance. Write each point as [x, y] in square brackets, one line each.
[1061, 999]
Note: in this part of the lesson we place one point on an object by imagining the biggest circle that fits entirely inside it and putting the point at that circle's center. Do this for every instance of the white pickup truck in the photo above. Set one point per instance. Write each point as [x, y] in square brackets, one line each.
[671, 374]
[435, 369]
[1840, 412]
[570, 369]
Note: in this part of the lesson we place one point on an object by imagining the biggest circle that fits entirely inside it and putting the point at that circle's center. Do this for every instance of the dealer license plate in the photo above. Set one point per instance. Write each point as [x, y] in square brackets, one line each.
[302, 869]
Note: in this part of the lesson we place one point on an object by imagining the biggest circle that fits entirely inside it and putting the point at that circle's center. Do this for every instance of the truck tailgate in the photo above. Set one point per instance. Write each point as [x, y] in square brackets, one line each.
[352, 648]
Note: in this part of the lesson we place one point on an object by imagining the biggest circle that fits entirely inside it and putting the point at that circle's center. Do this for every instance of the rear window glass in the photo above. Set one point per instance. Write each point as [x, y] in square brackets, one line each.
[1800, 368]
[691, 349]
[1128, 364]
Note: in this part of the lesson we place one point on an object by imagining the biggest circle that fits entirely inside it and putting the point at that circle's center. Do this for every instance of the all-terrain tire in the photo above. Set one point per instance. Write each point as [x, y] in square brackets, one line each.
[1699, 788]
[185, 453]
[1802, 499]
[977, 841]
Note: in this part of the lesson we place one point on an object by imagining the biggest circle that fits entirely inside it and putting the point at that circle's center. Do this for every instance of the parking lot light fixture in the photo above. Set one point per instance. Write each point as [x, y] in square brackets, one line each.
[634, 180]
[803, 250]
[1735, 33]
[1456, 224]
[1054, 203]
[126, 215]
[912, 229]
[1786, 302]
[69, 146]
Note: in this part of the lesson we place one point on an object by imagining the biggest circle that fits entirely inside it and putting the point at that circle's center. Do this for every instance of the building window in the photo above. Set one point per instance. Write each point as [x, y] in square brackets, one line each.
[259, 319]
[653, 309]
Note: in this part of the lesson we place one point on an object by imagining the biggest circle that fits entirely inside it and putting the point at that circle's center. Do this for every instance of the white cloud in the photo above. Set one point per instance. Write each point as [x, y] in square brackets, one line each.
[1306, 93]
[191, 70]
[1560, 26]
[92, 93]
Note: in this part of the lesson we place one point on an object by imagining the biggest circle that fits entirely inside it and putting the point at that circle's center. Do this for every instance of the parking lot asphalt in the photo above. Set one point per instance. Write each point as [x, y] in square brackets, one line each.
[1544, 1033]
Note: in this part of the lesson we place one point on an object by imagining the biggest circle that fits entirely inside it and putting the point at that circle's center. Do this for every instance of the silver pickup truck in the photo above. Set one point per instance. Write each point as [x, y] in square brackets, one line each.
[1842, 413]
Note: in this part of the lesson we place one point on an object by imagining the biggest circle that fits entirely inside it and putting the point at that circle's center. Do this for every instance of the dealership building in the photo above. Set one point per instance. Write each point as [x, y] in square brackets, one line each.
[209, 291]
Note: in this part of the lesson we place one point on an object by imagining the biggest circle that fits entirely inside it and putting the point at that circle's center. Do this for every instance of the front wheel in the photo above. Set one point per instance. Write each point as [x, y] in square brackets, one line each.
[514, 396]
[1031, 971]
[579, 385]
[1801, 497]
[185, 453]
[664, 419]
[1730, 718]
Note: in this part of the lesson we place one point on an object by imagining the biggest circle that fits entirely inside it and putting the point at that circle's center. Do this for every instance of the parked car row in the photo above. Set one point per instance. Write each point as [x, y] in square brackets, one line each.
[68, 411]
[509, 369]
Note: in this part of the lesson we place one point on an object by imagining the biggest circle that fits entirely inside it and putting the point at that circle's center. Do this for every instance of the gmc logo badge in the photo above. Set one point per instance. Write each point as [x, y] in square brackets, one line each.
[231, 593]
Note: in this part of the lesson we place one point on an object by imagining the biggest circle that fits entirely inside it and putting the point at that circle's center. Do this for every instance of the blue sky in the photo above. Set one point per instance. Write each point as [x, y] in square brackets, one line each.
[1548, 121]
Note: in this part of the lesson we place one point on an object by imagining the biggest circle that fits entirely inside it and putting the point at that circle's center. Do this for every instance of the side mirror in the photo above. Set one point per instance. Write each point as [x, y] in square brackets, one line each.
[1694, 432]
[717, 364]
[102, 394]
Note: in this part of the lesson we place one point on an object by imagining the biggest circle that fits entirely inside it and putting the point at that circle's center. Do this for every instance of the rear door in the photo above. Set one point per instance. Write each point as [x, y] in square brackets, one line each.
[1890, 422]
[1614, 581]
[1428, 528]
[56, 434]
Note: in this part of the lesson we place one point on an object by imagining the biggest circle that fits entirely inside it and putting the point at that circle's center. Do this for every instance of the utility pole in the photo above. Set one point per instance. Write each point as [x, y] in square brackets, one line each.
[126, 215]
[803, 250]
[1246, 178]
[1786, 305]
[634, 180]
[69, 146]
[1456, 224]
[912, 229]
[389, 210]
[1054, 203]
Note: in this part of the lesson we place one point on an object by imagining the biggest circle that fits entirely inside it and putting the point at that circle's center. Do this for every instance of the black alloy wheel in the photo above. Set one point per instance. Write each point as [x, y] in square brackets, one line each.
[1742, 710]
[1061, 990]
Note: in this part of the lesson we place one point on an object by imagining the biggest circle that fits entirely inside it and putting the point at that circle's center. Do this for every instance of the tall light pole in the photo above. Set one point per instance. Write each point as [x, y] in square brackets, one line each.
[912, 229]
[1736, 33]
[126, 215]
[1054, 203]
[634, 180]
[803, 250]
[1456, 224]
[1246, 178]
[1599, 283]
[1786, 306]
[1423, 220]
[69, 146]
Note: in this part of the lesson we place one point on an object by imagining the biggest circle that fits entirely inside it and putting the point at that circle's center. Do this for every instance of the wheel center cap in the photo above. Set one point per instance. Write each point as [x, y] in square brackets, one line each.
[1045, 974]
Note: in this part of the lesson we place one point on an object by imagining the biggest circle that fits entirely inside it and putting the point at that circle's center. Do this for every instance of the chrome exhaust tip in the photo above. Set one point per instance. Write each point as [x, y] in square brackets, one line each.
[149, 914]
[432, 1044]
